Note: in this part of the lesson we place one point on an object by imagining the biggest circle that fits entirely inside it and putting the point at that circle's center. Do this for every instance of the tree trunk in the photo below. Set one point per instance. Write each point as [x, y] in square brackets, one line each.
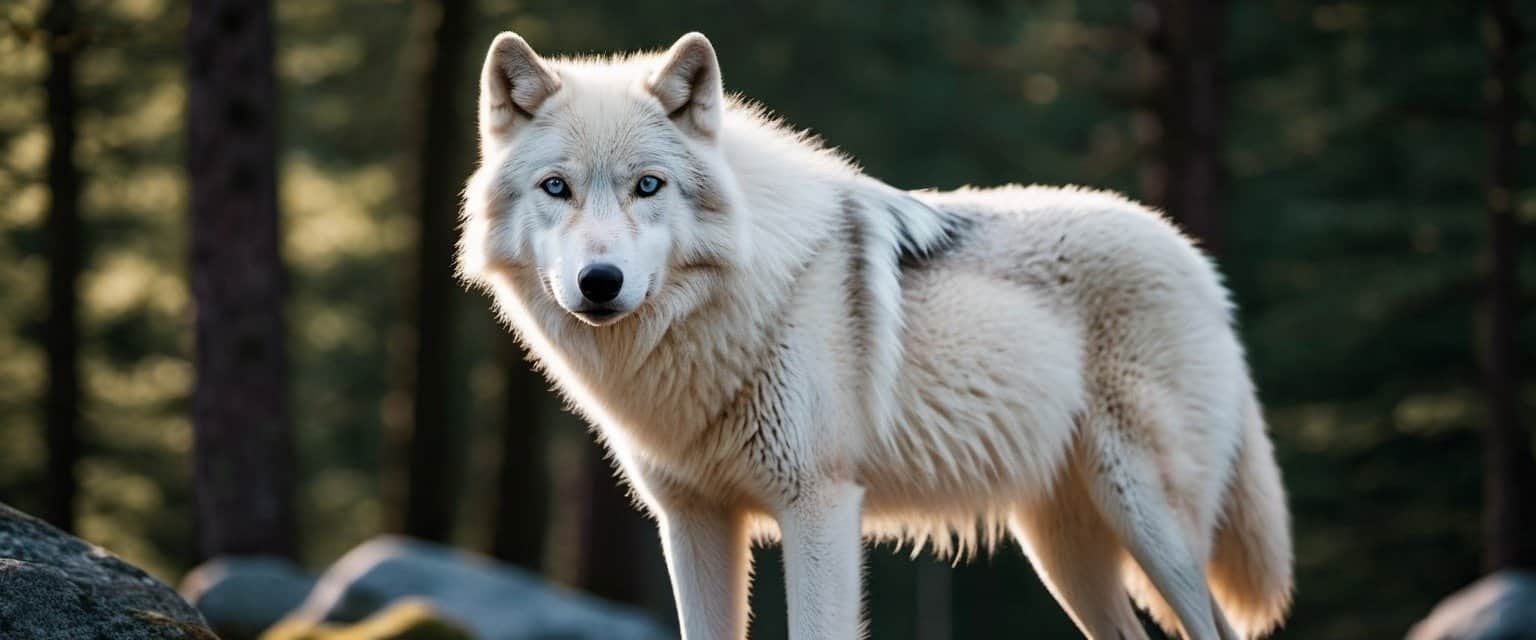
[1186, 107]
[1509, 484]
[61, 335]
[619, 544]
[935, 600]
[242, 440]
[522, 508]
[426, 444]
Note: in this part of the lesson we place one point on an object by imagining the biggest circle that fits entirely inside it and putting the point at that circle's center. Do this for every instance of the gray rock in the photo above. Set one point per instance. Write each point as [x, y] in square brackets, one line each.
[1500, 606]
[495, 601]
[54, 585]
[406, 619]
[242, 596]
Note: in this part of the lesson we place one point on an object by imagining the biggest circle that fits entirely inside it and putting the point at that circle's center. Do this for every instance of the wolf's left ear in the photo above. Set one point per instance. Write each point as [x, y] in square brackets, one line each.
[688, 85]
[514, 82]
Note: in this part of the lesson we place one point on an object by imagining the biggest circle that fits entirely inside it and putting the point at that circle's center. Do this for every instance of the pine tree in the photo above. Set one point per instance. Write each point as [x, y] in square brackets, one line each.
[61, 332]
[242, 439]
[427, 444]
[1509, 481]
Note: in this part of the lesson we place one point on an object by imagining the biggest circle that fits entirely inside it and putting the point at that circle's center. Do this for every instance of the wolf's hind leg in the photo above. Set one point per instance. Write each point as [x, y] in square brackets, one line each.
[1080, 561]
[1126, 486]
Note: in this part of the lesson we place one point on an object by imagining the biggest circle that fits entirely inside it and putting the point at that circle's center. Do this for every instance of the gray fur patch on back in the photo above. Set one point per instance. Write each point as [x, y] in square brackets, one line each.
[858, 267]
[912, 253]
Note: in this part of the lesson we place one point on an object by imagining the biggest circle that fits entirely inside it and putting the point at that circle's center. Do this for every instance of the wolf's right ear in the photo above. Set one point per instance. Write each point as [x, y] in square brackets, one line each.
[512, 86]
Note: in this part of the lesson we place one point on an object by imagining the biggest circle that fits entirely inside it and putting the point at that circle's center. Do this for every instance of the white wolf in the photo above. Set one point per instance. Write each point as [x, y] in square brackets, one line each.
[773, 344]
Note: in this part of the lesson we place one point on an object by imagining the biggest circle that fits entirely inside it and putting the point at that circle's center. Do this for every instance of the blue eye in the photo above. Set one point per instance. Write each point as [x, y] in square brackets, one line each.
[555, 187]
[648, 186]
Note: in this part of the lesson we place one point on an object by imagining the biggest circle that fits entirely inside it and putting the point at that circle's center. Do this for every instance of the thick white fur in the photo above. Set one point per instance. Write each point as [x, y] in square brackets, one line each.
[807, 353]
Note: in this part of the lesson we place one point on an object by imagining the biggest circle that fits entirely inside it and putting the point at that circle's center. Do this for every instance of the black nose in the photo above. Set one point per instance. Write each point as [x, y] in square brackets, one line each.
[600, 282]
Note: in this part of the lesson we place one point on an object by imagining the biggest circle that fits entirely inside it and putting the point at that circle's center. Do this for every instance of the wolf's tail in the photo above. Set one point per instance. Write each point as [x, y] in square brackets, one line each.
[1250, 568]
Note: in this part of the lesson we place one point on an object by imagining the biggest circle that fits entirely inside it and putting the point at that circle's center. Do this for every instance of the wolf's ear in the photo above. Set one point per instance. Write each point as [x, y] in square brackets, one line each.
[688, 85]
[512, 86]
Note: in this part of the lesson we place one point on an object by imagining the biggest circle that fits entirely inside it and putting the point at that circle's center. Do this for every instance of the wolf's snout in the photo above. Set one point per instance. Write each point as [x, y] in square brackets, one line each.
[600, 282]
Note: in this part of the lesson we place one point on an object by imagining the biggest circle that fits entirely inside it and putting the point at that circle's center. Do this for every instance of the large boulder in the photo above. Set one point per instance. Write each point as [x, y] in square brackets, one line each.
[56, 586]
[242, 596]
[1500, 606]
[494, 601]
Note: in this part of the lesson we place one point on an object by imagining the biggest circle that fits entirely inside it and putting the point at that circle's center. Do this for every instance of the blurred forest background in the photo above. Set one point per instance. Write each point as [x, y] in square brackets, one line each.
[1362, 169]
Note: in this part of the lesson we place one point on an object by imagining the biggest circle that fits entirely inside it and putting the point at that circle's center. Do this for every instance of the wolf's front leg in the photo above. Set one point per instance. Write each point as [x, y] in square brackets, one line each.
[708, 556]
[822, 561]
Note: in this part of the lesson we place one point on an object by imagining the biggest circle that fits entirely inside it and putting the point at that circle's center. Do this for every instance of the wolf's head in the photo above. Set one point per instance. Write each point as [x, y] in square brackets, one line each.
[602, 178]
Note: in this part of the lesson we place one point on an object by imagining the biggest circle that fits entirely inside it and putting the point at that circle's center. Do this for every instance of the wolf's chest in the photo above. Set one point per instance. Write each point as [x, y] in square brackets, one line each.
[756, 444]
